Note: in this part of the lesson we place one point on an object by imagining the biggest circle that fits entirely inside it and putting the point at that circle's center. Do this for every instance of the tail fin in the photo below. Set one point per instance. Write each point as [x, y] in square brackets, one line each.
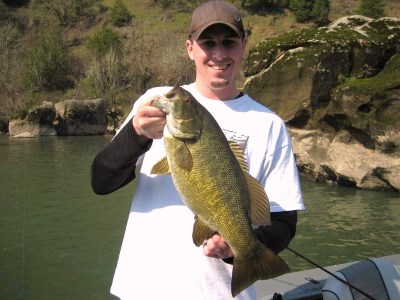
[264, 264]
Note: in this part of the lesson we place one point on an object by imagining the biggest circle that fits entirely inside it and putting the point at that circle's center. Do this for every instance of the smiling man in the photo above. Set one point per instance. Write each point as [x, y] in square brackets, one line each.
[158, 259]
[216, 44]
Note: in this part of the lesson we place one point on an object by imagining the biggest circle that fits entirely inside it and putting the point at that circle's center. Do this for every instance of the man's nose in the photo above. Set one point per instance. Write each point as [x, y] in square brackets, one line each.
[219, 51]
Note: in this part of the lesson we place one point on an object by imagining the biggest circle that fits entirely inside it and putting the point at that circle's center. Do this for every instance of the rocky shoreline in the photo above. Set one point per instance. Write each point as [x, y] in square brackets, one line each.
[336, 87]
[69, 117]
[338, 90]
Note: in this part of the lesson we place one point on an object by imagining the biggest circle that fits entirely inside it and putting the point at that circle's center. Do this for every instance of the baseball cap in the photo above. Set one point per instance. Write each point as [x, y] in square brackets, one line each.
[215, 12]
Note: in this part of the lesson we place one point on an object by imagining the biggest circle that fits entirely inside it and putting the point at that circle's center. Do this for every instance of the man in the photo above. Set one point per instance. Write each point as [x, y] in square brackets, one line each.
[158, 259]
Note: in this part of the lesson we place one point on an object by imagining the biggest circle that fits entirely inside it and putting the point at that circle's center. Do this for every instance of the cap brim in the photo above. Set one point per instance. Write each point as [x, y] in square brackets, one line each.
[197, 33]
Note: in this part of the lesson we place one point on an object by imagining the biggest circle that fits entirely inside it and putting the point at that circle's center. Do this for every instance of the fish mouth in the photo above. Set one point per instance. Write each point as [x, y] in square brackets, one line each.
[183, 129]
[162, 103]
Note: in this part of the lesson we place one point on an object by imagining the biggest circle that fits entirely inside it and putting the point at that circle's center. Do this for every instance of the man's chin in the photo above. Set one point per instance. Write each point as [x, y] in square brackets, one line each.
[220, 84]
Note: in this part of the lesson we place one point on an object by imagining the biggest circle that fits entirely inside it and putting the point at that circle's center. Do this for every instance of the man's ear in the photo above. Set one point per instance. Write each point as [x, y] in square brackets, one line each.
[189, 48]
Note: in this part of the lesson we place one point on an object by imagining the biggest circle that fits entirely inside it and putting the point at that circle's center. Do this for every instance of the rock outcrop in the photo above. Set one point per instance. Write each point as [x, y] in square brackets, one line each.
[35, 121]
[338, 90]
[81, 117]
[70, 117]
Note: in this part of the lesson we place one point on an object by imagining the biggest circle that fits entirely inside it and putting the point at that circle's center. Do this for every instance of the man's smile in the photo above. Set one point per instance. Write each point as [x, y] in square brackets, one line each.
[220, 67]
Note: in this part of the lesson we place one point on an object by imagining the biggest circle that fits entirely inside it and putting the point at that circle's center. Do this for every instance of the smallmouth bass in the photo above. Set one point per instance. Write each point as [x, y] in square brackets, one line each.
[210, 175]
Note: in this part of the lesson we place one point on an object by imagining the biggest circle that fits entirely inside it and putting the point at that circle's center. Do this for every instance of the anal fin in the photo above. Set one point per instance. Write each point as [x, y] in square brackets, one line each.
[201, 232]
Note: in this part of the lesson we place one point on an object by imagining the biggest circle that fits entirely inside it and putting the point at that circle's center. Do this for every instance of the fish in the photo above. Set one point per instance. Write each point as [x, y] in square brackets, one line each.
[210, 175]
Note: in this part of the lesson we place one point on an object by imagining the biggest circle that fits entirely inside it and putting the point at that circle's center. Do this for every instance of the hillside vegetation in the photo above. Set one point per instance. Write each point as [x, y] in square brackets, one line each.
[113, 49]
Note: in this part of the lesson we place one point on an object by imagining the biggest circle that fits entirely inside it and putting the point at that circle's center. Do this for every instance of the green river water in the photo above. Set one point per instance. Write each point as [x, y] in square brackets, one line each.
[58, 240]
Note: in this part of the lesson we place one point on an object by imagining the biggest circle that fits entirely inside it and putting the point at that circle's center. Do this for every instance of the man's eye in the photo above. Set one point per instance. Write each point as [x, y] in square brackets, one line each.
[229, 43]
[208, 44]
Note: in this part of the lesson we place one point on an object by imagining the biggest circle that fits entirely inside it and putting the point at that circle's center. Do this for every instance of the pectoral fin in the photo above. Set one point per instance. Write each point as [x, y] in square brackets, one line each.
[161, 167]
[201, 232]
[183, 157]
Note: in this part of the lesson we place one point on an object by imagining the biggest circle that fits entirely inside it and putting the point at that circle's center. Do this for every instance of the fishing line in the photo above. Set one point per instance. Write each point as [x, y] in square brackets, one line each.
[332, 274]
[24, 222]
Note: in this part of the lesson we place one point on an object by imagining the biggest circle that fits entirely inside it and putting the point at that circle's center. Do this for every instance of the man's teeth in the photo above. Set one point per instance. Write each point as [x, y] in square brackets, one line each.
[222, 67]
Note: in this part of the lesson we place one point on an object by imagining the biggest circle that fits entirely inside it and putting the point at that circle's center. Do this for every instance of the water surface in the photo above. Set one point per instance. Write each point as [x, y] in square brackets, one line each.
[58, 240]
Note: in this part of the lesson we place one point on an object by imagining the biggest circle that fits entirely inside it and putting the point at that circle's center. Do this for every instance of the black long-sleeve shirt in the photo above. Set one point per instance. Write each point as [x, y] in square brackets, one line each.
[114, 167]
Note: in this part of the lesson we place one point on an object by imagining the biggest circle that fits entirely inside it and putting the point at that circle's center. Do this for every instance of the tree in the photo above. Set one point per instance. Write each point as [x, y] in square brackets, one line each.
[264, 6]
[320, 12]
[301, 9]
[10, 65]
[108, 71]
[371, 8]
[46, 66]
[16, 3]
[72, 11]
[119, 14]
[63, 9]
[108, 74]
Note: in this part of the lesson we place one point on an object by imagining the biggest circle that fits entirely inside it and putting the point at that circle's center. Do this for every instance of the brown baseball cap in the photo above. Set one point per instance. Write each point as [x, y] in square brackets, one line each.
[215, 12]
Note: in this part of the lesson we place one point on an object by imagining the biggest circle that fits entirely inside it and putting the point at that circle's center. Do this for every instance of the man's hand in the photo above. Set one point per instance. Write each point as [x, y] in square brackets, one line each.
[149, 121]
[217, 247]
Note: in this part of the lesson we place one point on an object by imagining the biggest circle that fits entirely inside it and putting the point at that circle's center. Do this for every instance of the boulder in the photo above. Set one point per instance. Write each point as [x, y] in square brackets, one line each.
[3, 126]
[70, 117]
[81, 117]
[338, 90]
[343, 160]
[37, 120]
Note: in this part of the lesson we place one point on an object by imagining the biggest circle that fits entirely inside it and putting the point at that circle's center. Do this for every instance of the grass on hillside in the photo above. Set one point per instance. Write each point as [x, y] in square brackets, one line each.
[163, 34]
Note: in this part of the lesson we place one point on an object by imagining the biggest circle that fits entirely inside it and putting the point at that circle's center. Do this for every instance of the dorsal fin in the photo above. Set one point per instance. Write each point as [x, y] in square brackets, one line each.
[239, 154]
[173, 92]
[259, 204]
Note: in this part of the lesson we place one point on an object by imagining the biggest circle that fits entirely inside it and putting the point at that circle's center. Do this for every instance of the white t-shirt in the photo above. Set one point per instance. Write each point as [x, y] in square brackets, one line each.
[158, 259]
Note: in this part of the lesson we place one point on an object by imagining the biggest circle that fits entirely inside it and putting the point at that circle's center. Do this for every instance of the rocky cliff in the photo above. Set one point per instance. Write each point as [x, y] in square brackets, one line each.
[338, 89]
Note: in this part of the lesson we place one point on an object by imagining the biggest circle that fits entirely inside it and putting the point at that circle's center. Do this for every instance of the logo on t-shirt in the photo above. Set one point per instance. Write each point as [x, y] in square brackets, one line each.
[236, 137]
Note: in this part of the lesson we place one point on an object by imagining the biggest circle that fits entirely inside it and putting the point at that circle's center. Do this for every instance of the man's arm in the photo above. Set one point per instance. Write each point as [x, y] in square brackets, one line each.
[276, 236]
[282, 230]
[114, 166]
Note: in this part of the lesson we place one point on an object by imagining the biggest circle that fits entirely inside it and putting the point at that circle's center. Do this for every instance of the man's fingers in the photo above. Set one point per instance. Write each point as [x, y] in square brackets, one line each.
[217, 247]
[149, 121]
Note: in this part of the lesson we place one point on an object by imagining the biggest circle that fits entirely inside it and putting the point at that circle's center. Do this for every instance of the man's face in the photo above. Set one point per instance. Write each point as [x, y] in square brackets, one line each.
[217, 54]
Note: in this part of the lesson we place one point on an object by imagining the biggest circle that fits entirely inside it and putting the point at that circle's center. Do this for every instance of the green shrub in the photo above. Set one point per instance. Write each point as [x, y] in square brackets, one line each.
[371, 8]
[259, 6]
[320, 12]
[311, 10]
[16, 3]
[108, 75]
[178, 5]
[46, 65]
[301, 9]
[103, 40]
[69, 12]
[10, 66]
[119, 14]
